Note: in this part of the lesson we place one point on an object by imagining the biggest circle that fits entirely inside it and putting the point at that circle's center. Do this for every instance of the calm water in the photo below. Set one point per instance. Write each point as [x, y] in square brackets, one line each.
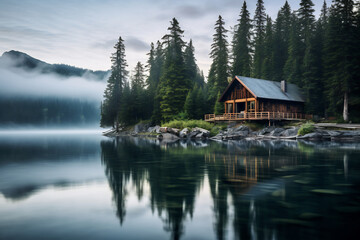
[85, 186]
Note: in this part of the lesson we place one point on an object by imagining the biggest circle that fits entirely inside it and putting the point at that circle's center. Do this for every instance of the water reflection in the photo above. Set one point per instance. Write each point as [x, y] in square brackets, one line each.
[259, 189]
[29, 163]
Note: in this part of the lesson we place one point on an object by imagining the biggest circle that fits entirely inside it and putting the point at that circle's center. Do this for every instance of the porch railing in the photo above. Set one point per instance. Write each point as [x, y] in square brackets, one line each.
[256, 116]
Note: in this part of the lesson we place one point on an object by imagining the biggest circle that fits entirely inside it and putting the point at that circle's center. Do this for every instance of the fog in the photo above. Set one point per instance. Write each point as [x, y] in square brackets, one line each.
[17, 82]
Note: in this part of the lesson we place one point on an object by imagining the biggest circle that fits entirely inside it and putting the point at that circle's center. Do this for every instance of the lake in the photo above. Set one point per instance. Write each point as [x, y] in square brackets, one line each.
[81, 185]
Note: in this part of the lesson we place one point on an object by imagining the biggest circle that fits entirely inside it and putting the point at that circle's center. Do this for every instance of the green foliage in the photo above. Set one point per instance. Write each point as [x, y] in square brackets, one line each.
[113, 93]
[174, 82]
[306, 128]
[190, 124]
[259, 53]
[241, 44]
[281, 41]
[219, 106]
[219, 70]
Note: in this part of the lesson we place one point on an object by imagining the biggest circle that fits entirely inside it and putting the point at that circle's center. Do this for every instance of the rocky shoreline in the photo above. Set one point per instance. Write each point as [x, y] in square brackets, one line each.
[237, 133]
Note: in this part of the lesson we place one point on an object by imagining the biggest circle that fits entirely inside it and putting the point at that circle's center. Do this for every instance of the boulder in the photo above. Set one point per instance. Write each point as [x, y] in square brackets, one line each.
[193, 134]
[184, 133]
[173, 131]
[311, 136]
[154, 129]
[276, 132]
[291, 132]
[218, 137]
[205, 132]
[266, 131]
[169, 137]
[141, 127]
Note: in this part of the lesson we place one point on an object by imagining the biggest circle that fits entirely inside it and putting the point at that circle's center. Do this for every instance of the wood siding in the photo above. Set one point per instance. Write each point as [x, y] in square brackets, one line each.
[238, 91]
[270, 105]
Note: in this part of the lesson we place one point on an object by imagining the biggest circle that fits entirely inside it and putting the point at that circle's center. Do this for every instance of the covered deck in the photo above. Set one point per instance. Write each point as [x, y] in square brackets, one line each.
[256, 116]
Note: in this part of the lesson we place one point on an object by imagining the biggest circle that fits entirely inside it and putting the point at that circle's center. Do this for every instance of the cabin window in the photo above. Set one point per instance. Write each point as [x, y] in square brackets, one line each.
[251, 106]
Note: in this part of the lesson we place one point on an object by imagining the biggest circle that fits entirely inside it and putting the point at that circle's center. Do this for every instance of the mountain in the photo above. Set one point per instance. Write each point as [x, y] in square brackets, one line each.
[22, 60]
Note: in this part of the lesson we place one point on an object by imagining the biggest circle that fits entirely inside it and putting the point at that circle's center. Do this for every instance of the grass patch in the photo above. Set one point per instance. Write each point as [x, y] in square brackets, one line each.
[190, 124]
[306, 128]
[181, 124]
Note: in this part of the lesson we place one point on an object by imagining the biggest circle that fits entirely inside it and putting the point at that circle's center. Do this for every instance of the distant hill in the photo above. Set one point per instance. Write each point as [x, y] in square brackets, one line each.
[24, 61]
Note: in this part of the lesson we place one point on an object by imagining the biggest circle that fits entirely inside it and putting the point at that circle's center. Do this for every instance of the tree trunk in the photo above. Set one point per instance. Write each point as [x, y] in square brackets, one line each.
[346, 107]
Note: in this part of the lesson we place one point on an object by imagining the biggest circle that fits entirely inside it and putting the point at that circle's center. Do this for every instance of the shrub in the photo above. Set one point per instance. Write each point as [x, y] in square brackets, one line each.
[306, 128]
[181, 124]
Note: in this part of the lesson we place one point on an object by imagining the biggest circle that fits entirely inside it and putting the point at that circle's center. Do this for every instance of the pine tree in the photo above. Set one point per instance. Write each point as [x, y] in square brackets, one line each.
[312, 76]
[219, 70]
[241, 45]
[139, 104]
[190, 105]
[306, 20]
[112, 95]
[281, 41]
[190, 64]
[341, 60]
[219, 106]
[156, 72]
[267, 62]
[293, 65]
[259, 19]
[174, 83]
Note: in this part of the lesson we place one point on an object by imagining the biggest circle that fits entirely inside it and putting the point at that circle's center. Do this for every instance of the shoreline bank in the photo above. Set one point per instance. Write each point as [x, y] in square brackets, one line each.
[239, 132]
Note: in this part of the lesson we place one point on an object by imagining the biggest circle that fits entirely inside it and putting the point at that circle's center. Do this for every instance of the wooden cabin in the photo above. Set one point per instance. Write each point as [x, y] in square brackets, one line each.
[257, 99]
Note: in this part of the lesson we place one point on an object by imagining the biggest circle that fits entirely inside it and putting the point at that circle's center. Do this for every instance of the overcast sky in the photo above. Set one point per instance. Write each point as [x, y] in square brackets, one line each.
[82, 33]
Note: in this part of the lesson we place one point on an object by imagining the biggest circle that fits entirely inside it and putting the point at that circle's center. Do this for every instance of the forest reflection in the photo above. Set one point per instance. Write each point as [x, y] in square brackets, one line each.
[246, 182]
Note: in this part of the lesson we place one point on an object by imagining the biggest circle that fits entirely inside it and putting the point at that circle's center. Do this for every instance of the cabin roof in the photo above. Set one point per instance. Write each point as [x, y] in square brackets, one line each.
[268, 89]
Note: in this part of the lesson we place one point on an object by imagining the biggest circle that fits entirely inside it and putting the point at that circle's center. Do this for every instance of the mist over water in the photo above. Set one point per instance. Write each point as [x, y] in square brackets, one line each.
[32, 98]
[17, 82]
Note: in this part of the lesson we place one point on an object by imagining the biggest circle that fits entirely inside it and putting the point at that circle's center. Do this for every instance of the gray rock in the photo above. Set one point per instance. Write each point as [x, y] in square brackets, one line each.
[239, 132]
[266, 131]
[141, 127]
[277, 132]
[205, 132]
[218, 137]
[193, 134]
[200, 135]
[169, 136]
[311, 136]
[290, 132]
[154, 129]
[184, 133]
[173, 131]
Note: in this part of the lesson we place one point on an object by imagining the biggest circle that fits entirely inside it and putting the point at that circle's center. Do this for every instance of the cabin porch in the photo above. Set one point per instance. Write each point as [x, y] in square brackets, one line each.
[256, 116]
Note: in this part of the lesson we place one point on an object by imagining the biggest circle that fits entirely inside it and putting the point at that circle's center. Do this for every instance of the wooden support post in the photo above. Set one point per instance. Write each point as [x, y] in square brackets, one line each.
[233, 106]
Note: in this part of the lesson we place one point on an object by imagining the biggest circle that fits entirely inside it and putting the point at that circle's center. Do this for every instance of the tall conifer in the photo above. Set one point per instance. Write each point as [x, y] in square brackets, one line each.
[241, 45]
[259, 20]
[174, 82]
[112, 95]
[219, 70]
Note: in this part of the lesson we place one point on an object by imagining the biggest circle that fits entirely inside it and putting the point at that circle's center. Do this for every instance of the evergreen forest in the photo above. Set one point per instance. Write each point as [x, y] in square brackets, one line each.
[320, 55]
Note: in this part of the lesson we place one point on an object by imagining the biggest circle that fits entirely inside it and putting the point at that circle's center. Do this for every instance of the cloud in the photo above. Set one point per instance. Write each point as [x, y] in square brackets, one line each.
[105, 44]
[22, 31]
[136, 44]
[190, 11]
[16, 82]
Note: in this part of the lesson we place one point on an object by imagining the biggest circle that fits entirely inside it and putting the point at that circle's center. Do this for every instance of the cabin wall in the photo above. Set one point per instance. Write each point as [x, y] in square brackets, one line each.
[238, 91]
[270, 105]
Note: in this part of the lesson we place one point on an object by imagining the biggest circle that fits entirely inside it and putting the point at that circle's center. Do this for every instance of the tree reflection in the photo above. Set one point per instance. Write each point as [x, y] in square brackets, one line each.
[173, 180]
[247, 182]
